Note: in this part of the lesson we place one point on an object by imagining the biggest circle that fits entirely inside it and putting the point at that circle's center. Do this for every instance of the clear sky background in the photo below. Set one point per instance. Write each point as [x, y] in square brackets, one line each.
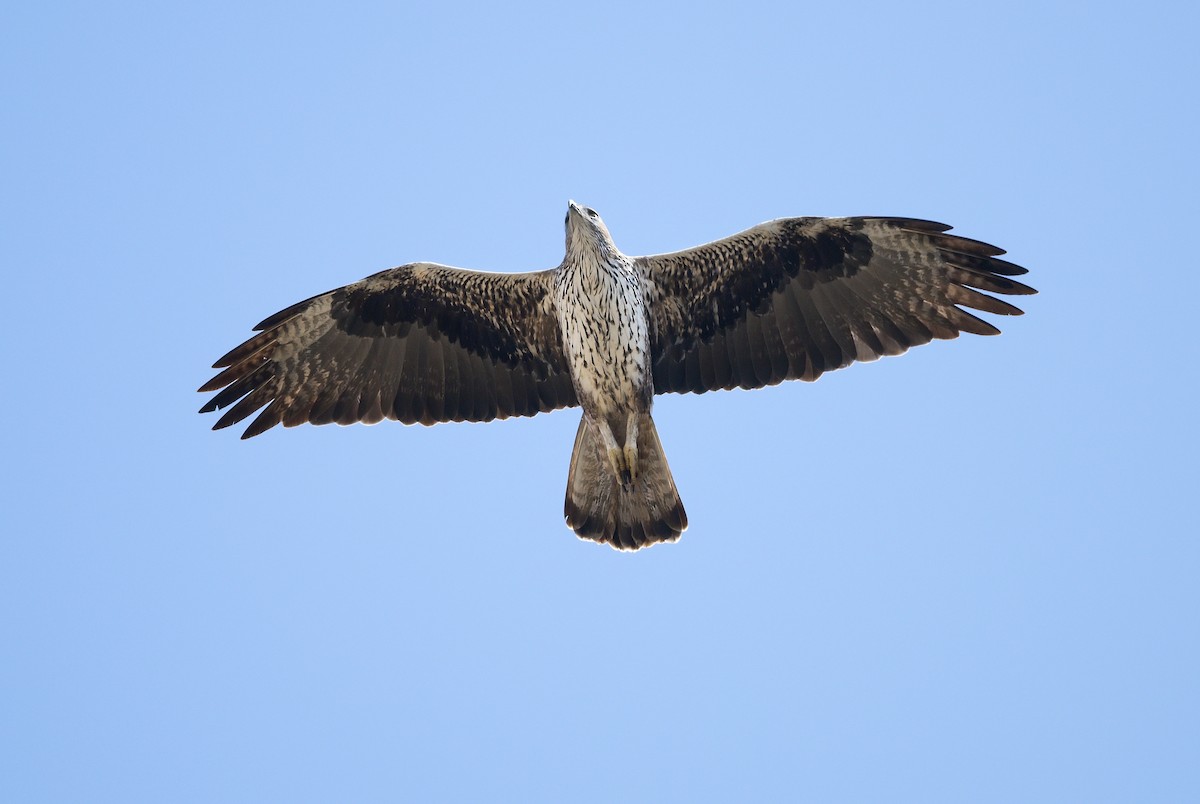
[965, 574]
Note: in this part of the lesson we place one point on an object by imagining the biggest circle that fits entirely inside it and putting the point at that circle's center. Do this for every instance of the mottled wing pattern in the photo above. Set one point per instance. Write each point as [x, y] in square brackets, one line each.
[419, 343]
[796, 297]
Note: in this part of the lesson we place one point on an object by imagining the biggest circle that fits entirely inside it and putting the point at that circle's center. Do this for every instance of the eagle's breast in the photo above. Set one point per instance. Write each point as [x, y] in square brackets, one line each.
[605, 333]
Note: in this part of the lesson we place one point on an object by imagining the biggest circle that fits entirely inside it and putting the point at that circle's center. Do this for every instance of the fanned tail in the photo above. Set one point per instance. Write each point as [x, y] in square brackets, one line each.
[627, 516]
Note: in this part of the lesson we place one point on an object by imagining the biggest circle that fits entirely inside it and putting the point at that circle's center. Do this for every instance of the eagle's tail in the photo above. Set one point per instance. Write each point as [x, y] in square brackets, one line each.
[630, 514]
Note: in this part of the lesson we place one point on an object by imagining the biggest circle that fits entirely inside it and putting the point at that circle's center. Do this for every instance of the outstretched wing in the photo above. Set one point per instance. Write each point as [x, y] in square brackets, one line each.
[419, 343]
[796, 297]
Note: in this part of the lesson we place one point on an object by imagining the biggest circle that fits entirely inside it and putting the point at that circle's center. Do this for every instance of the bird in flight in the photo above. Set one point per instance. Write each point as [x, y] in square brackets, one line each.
[788, 299]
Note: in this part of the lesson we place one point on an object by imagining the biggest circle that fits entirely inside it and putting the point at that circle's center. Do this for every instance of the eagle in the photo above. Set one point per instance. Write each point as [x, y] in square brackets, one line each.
[789, 299]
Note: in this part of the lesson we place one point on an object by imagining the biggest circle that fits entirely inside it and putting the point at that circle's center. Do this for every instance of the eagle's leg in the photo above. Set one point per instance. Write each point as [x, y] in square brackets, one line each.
[618, 459]
[631, 450]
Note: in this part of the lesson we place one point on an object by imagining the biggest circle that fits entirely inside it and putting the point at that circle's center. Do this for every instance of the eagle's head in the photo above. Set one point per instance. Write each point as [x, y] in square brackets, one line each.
[586, 232]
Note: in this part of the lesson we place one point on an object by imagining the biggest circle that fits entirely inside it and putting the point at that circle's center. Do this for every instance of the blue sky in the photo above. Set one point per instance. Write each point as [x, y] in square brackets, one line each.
[965, 574]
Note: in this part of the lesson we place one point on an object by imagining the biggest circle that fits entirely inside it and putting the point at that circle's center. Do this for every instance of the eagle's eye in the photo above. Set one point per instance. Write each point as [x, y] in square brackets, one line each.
[590, 212]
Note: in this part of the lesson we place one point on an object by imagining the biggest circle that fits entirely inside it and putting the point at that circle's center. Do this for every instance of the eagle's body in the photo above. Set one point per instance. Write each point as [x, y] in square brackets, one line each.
[601, 311]
[601, 305]
[789, 299]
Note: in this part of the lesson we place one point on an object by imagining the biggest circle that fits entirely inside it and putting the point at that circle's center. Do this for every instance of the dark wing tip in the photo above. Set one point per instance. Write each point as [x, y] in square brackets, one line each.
[965, 245]
[226, 360]
[264, 421]
[974, 325]
[964, 250]
[215, 384]
[1010, 287]
[915, 224]
[238, 352]
[1005, 268]
[284, 314]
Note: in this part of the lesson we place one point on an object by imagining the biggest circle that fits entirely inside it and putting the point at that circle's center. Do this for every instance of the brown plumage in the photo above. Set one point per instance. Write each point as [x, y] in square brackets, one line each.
[788, 299]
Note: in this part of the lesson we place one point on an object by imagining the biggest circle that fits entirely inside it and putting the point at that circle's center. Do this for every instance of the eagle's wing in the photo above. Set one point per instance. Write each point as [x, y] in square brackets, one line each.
[796, 297]
[419, 343]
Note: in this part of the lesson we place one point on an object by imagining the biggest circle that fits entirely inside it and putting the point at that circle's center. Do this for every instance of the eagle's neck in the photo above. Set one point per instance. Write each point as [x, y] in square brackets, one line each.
[595, 267]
